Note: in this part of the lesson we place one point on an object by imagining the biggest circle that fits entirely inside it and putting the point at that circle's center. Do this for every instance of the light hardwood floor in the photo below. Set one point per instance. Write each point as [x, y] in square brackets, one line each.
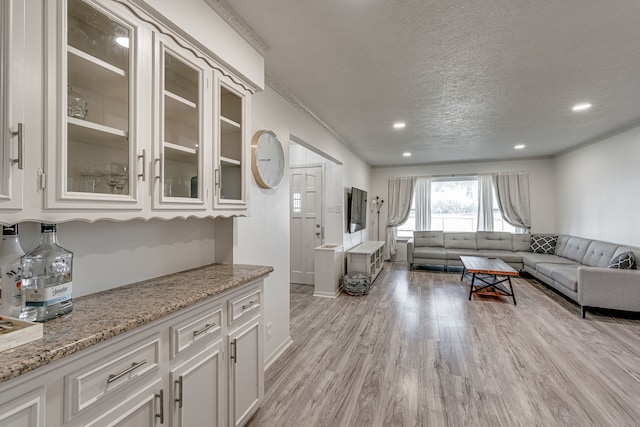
[416, 352]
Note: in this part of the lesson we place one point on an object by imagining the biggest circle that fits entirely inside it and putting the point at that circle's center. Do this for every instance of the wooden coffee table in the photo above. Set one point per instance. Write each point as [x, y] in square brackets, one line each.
[487, 270]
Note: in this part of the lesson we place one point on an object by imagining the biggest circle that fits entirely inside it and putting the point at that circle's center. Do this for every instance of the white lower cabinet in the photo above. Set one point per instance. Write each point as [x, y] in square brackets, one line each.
[246, 373]
[24, 411]
[197, 389]
[144, 408]
[193, 368]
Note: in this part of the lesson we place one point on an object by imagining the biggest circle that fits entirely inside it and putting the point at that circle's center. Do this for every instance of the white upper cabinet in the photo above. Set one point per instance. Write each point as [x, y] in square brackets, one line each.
[94, 158]
[130, 116]
[12, 142]
[231, 133]
[180, 148]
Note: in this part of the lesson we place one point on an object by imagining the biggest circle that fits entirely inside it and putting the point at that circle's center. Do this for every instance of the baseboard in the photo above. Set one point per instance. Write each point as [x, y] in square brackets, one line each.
[327, 294]
[278, 352]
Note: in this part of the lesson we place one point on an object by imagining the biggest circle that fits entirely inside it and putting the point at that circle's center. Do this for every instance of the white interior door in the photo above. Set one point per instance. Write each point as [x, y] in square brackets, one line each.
[306, 221]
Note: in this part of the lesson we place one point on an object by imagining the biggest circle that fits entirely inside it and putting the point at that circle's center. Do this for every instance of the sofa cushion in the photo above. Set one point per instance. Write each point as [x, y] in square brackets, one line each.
[506, 256]
[543, 244]
[599, 254]
[521, 242]
[532, 259]
[494, 240]
[455, 253]
[426, 252]
[625, 260]
[460, 241]
[566, 276]
[429, 238]
[574, 249]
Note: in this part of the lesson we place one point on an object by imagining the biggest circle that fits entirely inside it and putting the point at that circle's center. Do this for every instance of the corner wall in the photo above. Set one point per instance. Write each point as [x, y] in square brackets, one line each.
[263, 237]
[598, 190]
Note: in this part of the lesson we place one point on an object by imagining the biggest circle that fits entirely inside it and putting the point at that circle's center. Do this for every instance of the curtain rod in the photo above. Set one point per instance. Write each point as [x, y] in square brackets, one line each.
[454, 175]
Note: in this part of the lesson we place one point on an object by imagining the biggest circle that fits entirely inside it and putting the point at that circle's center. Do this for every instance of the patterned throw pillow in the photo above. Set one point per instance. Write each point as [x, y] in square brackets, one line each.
[625, 260]
[543, 244]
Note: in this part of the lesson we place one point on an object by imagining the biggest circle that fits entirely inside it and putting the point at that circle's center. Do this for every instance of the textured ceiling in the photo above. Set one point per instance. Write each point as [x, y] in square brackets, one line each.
[470, 79]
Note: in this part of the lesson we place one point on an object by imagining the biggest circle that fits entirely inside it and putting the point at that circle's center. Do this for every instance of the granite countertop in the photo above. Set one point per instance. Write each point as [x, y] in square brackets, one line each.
[103, 315]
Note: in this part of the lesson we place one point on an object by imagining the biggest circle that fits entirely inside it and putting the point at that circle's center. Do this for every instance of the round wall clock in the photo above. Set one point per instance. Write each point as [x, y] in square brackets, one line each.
[267, 159]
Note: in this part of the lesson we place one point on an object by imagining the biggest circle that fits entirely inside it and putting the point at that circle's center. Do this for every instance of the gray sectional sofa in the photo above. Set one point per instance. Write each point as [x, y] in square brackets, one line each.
[578, 269]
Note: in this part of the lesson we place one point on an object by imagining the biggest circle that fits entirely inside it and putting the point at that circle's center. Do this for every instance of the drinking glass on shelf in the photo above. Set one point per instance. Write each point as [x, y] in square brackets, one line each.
[76, 105]
[113, 173]
[88, 179]
[122, 183]
[168, 184]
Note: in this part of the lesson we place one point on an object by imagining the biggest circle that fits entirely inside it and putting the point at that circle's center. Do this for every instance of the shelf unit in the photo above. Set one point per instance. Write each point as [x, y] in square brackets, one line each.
[366, 258]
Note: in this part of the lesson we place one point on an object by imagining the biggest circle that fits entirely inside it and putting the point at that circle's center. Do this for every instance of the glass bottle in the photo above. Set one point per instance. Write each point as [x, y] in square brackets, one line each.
[10, 271]
[47, 277]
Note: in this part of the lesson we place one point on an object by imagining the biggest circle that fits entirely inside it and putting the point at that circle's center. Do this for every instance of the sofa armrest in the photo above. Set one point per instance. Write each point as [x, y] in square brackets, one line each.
[410, 244]
[609, 288]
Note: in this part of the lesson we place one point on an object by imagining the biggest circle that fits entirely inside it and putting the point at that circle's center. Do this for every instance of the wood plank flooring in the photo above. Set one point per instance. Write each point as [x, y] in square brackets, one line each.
[416, 352]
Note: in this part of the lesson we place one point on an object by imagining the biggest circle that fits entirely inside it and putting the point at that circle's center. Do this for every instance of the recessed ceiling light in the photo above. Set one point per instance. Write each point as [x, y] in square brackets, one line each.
[407, 154]
[123, 41]
[581, 107]
[399, 125]
[519, 146]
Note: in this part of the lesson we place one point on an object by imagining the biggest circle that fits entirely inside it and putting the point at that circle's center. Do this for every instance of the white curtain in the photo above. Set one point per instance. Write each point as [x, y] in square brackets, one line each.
[400, 198]
[422, 203]
[512, 193]
[485, 202]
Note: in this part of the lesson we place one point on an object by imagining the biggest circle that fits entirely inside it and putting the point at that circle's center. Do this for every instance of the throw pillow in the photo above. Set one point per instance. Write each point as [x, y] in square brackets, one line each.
[625, 260]
[543, 244]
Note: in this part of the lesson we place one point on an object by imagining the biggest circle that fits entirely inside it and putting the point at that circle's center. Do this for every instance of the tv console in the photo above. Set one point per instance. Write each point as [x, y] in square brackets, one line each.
[366, 258]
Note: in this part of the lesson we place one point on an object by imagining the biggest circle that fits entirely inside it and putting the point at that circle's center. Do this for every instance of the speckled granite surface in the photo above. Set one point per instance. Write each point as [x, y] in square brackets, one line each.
[106, 314]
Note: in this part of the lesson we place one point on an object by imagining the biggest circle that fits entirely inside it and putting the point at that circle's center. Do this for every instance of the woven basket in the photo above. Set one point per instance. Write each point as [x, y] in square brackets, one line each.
[356, 284]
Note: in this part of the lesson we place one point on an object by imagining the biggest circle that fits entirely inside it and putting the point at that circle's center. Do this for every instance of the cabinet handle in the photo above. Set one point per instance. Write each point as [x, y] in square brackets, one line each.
[143, 156]
[251, 304]
[134, 366]
[179, 399]
[232, 351]
[204, 329]
[161, 414]
[20, 134]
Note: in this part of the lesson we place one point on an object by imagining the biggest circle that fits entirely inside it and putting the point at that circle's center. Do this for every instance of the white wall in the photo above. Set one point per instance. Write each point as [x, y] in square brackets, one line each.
[111, 254]
[598, 190]
[263, 238]
[541, 184]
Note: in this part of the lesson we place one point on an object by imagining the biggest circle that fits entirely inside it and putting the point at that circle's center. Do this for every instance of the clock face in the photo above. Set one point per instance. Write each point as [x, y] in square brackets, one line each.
[267, 159]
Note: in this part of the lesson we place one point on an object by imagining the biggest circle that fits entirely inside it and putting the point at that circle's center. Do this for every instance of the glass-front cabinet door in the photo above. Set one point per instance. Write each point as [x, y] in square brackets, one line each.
[96, 162]
[230, 180]
[179, 154]
[12, 138]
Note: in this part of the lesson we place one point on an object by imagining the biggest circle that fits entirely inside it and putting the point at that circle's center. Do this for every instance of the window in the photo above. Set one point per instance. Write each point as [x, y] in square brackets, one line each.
[454, 207]
[454, 204]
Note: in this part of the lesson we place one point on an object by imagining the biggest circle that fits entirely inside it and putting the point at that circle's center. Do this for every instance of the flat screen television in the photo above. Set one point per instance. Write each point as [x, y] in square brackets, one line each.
[357, 210]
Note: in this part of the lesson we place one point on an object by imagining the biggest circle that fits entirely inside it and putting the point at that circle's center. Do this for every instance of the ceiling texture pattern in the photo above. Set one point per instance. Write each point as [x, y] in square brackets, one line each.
[470, 79]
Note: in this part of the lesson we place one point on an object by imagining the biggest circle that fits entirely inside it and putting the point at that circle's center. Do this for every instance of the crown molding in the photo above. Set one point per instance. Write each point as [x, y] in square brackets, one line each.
[293, 100]
[231, 17]
[617, 131]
